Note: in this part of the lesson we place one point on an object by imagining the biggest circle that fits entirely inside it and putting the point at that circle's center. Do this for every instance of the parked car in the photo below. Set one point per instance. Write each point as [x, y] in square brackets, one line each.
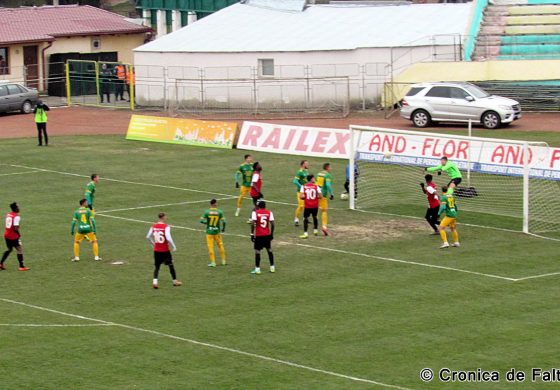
[428, 103]
[16, 97]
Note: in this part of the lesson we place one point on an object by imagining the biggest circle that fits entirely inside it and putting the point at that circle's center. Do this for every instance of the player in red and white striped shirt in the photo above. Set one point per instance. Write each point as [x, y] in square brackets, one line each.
[262, 234]
[159, 236]
[12, 236]
[430, 189]
[310, 193]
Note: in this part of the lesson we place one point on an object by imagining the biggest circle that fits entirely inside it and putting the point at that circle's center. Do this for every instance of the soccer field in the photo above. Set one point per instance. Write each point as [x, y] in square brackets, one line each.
[368, 307]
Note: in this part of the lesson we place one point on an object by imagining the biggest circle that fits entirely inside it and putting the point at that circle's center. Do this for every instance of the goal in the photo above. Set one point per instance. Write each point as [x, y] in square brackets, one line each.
[280, 97]
[516, 180]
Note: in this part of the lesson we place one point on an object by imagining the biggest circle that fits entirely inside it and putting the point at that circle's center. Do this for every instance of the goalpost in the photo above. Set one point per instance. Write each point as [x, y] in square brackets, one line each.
[516, 180]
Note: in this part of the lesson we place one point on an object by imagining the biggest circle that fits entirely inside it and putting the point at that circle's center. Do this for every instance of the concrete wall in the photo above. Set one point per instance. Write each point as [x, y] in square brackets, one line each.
[515, 70]
[123, 44]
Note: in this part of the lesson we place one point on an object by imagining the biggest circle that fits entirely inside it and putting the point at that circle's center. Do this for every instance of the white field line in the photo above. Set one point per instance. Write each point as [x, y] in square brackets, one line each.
[544, 237]
[287, 204]
[208, 345]
[229, 195]
[332, 250]
[538, 276]
[163, 205]
[18, 173]
[55, 325]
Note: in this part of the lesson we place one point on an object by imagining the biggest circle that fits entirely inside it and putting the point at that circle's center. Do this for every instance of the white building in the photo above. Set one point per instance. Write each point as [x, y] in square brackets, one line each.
[261, 47]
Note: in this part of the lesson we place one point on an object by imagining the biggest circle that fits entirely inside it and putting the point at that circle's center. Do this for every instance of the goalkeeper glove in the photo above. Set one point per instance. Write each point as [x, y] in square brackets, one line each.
[331, 197]
[252, 237]
[223, 230]
[260, 195]
[236, 185]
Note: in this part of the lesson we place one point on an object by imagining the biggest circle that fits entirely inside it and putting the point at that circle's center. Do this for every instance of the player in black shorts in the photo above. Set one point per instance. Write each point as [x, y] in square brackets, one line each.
[262, 234]
[12, 236]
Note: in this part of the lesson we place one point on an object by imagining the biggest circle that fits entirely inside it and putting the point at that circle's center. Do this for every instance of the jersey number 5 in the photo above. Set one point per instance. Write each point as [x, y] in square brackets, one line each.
[263, 221]
[9, 222]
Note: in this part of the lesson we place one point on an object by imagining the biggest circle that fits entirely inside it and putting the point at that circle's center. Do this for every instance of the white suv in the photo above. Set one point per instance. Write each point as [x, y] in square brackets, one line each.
[428, 103]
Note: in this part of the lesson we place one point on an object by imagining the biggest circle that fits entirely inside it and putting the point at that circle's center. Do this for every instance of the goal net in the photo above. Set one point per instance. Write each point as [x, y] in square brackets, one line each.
[498, 179]
[279, 97]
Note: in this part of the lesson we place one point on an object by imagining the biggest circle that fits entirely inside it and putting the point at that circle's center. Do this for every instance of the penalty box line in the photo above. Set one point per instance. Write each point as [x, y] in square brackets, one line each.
[162, 205]
[290, 204]
[340, 251]
[205, 344]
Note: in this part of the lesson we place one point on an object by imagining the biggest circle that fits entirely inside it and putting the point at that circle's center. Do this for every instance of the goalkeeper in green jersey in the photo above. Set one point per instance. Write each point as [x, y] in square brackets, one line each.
[451, 169]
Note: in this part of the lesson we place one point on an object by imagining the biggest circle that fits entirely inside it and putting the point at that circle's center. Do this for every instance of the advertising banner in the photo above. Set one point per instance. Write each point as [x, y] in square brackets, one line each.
[492, 156]
[298, 140]
[181, 131]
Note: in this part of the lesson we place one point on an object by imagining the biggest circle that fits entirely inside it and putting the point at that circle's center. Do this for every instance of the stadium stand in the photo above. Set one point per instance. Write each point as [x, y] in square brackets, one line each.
[519, 30]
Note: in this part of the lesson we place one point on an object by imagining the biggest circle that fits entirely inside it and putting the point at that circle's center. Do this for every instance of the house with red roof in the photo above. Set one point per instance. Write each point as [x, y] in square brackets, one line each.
[32, 39]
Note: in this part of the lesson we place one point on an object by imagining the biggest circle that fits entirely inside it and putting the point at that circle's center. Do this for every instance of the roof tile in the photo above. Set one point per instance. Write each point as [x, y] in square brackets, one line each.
[35, 24]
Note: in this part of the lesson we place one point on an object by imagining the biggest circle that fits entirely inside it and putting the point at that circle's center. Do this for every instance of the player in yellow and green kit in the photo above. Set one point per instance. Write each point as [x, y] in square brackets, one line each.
[299, 180]
[215, 223]
[447, 205]
[243, 178]
[90, 191]
[83, 218]
[324, 180]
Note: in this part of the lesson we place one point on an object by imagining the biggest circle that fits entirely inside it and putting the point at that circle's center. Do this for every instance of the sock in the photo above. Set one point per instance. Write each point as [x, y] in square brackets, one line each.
[257, 260]
[305, 225]
[271, 258]
[172, 271]
[20, 260]
[222, 253]
[298, 211]
[5, 256]
[324, 218]
[315, 222]
[95, 249]
[443, 235]
[155, 281]
[239, 201]
[76, 249]
[156, 272]
[455, 235]
[211, 252]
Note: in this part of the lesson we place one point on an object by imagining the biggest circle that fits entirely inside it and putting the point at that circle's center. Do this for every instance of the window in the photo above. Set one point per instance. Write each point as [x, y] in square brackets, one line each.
[13, 89]
[4, 61]
[458, 93]
[442, 92]
[95, 44]
[413, 91]
[266, 67]
[476, 92]
[3, 90]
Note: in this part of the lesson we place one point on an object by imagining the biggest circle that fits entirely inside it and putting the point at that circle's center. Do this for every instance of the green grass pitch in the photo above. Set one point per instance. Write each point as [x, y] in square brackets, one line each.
[368, 307]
